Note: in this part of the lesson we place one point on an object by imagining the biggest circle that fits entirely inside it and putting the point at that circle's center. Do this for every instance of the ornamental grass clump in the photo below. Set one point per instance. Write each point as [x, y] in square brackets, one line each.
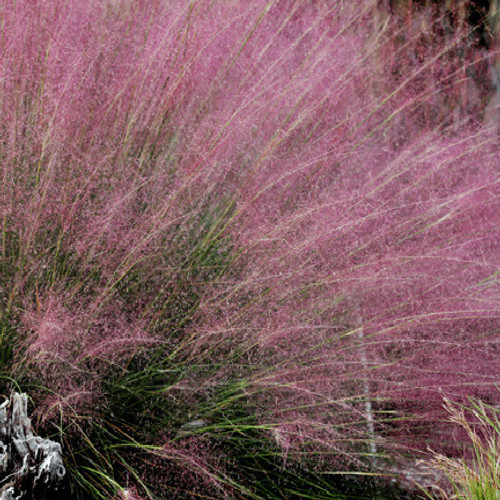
[237, 251]
[476, 476]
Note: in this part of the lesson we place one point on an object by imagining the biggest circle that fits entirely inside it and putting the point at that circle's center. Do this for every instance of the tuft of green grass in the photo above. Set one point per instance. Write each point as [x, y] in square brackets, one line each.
[475, 476]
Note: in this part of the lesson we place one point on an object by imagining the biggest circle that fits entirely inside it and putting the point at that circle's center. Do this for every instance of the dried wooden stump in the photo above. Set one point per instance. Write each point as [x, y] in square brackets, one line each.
[30, 466]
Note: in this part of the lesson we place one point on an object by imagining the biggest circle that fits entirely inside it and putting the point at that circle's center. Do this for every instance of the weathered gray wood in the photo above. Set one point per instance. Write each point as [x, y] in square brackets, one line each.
[29, 465]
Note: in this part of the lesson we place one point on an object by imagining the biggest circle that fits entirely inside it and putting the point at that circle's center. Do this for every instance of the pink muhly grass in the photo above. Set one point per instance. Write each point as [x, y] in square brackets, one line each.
[395, 244]
[238, 194]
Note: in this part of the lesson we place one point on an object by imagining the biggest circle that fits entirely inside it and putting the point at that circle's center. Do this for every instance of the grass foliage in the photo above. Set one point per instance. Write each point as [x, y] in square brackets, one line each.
[476, 476]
